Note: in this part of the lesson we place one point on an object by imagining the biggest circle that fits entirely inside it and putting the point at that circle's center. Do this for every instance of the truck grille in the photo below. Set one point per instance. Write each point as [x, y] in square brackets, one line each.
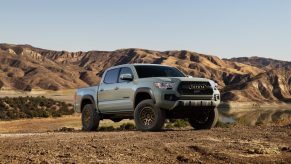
[195, 88]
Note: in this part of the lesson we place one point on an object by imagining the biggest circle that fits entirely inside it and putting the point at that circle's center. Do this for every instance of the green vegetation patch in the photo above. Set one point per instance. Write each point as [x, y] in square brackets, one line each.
[28, 107]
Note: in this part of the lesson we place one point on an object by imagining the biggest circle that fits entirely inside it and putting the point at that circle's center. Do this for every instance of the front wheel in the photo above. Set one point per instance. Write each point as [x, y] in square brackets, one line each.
[90, 118]
[148, 117]
[204, 119]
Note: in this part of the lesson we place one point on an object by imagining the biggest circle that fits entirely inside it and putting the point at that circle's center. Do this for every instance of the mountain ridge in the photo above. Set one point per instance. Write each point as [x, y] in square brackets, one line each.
[24, 67]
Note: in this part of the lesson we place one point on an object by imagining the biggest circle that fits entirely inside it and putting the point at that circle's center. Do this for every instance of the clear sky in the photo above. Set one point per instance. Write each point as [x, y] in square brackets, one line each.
[226, 28]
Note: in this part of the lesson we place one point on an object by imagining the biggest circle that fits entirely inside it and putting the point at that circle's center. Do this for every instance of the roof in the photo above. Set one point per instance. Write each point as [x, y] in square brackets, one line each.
[137, 64]
[146, 64]
[150, 64]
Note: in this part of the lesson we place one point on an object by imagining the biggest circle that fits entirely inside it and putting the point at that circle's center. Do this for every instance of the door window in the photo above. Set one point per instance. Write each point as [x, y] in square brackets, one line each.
[111, 76]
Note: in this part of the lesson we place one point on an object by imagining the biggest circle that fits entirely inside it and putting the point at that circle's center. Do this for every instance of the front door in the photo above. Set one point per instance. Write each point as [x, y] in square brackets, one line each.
[125, 91]
[108, 99]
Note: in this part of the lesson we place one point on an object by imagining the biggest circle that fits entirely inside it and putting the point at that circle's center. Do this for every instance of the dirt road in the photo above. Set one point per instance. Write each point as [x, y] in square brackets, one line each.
[219, 145]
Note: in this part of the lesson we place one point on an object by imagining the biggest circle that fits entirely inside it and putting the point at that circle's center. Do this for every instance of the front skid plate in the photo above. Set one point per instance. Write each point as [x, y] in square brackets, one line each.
[185, 103]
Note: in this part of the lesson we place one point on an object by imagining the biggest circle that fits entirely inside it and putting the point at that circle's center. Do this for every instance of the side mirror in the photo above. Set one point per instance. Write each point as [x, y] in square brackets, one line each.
[127, 77]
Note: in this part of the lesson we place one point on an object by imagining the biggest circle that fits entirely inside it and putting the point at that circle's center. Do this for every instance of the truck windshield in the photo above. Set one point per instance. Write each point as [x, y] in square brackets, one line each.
[145, 71]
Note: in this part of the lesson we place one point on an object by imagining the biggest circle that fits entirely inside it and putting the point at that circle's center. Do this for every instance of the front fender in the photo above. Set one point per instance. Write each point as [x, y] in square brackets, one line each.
[144, 90]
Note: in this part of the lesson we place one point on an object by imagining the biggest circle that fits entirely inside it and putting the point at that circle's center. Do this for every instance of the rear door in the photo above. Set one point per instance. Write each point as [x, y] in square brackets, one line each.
[107, 96]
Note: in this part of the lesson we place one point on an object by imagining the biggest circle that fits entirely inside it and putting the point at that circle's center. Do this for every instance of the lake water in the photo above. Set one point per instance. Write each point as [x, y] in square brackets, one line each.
[255, 116]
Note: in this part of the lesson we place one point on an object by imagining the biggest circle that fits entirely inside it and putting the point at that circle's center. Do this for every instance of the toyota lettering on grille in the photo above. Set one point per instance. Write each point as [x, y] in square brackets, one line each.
[197, 87]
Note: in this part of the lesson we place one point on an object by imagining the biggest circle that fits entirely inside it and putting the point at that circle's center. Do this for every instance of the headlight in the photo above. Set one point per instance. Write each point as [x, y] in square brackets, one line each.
[164, 85]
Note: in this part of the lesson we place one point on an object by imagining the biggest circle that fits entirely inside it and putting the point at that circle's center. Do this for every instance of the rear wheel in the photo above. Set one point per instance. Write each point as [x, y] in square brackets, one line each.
[148, 117]
[204, 119]
[90, 118]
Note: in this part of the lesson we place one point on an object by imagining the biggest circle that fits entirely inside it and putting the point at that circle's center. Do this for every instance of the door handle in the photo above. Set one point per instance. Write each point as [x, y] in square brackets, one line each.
[101, 90]
[116, 88]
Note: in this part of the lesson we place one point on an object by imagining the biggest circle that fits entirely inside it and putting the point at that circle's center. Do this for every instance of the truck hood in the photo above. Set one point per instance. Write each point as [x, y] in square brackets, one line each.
[175, 79]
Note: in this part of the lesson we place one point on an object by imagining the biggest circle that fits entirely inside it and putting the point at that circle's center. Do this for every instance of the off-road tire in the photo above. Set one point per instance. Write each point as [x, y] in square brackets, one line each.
[90, 118]
[144, 124]
[205, 119]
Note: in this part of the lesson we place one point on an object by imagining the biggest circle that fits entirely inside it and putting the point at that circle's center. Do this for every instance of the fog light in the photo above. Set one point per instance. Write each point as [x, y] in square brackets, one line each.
[216, 97]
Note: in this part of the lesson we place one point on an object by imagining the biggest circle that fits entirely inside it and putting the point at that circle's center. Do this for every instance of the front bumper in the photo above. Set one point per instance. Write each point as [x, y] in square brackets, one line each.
[194, 103]
[182, 101]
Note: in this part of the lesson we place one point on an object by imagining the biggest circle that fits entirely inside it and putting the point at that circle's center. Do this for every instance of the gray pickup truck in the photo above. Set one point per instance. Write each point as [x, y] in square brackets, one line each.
[149, 94]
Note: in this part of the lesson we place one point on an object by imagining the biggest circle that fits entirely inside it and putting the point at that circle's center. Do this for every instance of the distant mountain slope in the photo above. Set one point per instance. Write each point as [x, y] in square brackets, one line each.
[264, 63]
[25, 67]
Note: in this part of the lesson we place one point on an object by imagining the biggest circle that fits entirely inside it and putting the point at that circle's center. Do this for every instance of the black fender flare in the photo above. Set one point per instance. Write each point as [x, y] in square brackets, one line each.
[88, 97]
[144, 90]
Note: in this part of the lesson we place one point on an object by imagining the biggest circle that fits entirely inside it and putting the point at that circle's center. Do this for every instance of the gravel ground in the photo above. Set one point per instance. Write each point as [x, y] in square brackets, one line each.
[244, 144]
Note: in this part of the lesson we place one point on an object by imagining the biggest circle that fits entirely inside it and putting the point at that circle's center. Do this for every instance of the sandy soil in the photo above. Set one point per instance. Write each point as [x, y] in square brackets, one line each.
[39, 125]
[219, 145]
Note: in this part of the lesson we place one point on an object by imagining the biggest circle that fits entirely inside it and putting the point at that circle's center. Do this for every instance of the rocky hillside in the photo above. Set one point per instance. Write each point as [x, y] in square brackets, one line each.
[263, 63]
[24, 67]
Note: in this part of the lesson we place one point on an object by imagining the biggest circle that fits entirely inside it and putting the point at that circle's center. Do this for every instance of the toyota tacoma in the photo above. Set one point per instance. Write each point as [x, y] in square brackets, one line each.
[148, 93]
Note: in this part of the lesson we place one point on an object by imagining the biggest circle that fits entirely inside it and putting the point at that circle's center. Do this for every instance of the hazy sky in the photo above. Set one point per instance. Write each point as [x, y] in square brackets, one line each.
[225, 28]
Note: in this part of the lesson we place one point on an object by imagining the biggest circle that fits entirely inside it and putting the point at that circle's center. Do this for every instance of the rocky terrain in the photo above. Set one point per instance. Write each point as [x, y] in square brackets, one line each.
[23, 67]
[219, 145]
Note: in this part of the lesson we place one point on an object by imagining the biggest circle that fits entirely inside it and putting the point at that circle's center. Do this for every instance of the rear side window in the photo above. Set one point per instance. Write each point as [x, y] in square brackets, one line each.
[111, 76]
[124, 70]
